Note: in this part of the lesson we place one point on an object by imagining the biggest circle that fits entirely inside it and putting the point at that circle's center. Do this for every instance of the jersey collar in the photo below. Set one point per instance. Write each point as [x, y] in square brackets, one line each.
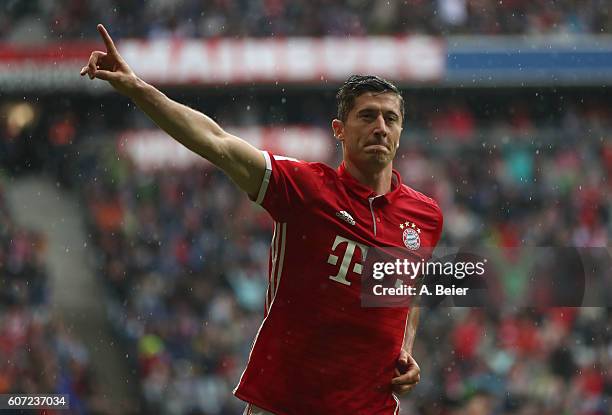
[363, 191]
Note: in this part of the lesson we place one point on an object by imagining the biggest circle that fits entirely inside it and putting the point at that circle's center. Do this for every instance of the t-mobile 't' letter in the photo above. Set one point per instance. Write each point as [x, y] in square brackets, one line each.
[346, 261]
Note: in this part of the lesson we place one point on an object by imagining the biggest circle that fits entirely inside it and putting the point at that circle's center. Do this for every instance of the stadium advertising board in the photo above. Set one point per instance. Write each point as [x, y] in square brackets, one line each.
[230, 61]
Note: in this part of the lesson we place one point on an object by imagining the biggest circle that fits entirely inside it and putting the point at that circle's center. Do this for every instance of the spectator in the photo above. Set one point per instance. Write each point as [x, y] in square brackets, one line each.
[69, 19]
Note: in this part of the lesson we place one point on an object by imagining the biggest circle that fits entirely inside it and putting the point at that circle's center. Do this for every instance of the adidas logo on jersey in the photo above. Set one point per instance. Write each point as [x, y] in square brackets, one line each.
[345, 216]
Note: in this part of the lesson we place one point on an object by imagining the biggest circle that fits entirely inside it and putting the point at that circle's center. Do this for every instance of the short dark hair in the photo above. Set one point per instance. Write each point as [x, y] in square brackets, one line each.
[360, 84]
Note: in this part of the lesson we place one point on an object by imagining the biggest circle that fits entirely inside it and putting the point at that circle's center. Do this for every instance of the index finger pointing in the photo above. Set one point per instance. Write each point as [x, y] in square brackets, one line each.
[110, 45]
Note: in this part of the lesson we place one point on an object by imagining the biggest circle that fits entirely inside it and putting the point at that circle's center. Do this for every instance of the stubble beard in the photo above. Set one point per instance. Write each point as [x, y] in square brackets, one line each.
[377, 161]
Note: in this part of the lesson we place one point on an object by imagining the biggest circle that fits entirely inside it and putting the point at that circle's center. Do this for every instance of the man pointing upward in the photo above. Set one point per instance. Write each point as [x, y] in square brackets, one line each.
[318, 351]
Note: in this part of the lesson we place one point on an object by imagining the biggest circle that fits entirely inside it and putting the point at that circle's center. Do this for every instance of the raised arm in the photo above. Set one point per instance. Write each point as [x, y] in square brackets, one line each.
[242, 162]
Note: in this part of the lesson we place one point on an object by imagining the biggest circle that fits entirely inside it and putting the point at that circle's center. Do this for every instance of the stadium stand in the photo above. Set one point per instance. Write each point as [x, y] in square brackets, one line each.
[71, 19]
[184, 256]
[39, 354]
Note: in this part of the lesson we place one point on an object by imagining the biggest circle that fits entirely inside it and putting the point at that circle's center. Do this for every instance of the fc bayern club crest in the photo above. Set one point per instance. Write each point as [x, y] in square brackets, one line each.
[411, 237]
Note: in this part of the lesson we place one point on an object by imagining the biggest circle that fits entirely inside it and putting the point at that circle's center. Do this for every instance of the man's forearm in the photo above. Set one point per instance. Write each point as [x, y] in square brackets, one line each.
[411, 329]
[191, 128]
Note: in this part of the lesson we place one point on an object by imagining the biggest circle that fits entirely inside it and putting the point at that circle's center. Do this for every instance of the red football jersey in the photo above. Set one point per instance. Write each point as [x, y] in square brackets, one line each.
[318, 351]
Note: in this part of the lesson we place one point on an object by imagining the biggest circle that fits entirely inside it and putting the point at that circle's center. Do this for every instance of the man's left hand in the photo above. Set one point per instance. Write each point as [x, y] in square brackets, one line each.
[407, 374]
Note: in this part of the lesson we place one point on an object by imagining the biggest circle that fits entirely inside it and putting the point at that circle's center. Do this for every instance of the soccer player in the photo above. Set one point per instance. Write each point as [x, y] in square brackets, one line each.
[318, 351]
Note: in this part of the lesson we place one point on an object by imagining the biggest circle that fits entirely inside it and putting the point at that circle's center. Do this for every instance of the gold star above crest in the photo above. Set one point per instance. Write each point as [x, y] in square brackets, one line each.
[412, 225]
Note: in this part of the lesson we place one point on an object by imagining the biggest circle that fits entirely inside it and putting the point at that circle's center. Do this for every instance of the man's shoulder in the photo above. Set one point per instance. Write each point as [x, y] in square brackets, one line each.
[304, 166]
[410, 194]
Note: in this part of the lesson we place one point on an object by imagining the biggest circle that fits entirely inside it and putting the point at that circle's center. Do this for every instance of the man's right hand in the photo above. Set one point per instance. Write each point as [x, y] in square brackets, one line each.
[110, 66]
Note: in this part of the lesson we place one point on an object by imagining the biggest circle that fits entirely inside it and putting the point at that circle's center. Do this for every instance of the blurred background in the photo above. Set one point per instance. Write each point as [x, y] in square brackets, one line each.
[132, 274]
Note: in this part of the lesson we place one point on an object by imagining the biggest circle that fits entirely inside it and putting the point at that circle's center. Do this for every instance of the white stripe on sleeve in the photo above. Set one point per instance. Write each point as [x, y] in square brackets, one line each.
[266, 179]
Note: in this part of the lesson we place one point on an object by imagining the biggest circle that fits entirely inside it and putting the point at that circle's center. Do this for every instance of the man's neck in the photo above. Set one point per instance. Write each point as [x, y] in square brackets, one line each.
[377, 180]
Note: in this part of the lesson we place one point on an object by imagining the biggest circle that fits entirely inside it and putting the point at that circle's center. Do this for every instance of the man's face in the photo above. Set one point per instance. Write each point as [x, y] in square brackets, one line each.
[370, 135]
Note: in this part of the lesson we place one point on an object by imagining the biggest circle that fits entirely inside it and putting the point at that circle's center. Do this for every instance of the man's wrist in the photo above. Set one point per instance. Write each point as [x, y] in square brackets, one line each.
[135, 88]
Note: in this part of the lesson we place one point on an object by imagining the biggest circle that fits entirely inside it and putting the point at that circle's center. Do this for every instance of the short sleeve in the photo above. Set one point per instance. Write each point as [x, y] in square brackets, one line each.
[439, 228]
[286, 186]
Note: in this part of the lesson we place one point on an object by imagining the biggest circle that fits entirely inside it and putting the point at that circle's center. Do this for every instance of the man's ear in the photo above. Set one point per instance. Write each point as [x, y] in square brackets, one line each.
[338, 129]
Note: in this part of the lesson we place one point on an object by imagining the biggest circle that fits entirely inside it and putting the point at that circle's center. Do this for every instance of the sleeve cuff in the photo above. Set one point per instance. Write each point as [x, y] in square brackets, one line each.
[266, 179]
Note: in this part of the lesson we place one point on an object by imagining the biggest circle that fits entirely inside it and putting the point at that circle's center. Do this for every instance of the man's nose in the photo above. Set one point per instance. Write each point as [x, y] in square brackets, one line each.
[381, 126]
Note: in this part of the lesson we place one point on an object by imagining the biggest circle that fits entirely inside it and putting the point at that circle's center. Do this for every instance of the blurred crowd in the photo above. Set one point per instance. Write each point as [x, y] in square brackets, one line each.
[39, 354]
[41, 20]
[184, 255]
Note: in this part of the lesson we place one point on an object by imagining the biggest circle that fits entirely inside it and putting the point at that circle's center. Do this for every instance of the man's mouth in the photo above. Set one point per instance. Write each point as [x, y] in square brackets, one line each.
[376, 147]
